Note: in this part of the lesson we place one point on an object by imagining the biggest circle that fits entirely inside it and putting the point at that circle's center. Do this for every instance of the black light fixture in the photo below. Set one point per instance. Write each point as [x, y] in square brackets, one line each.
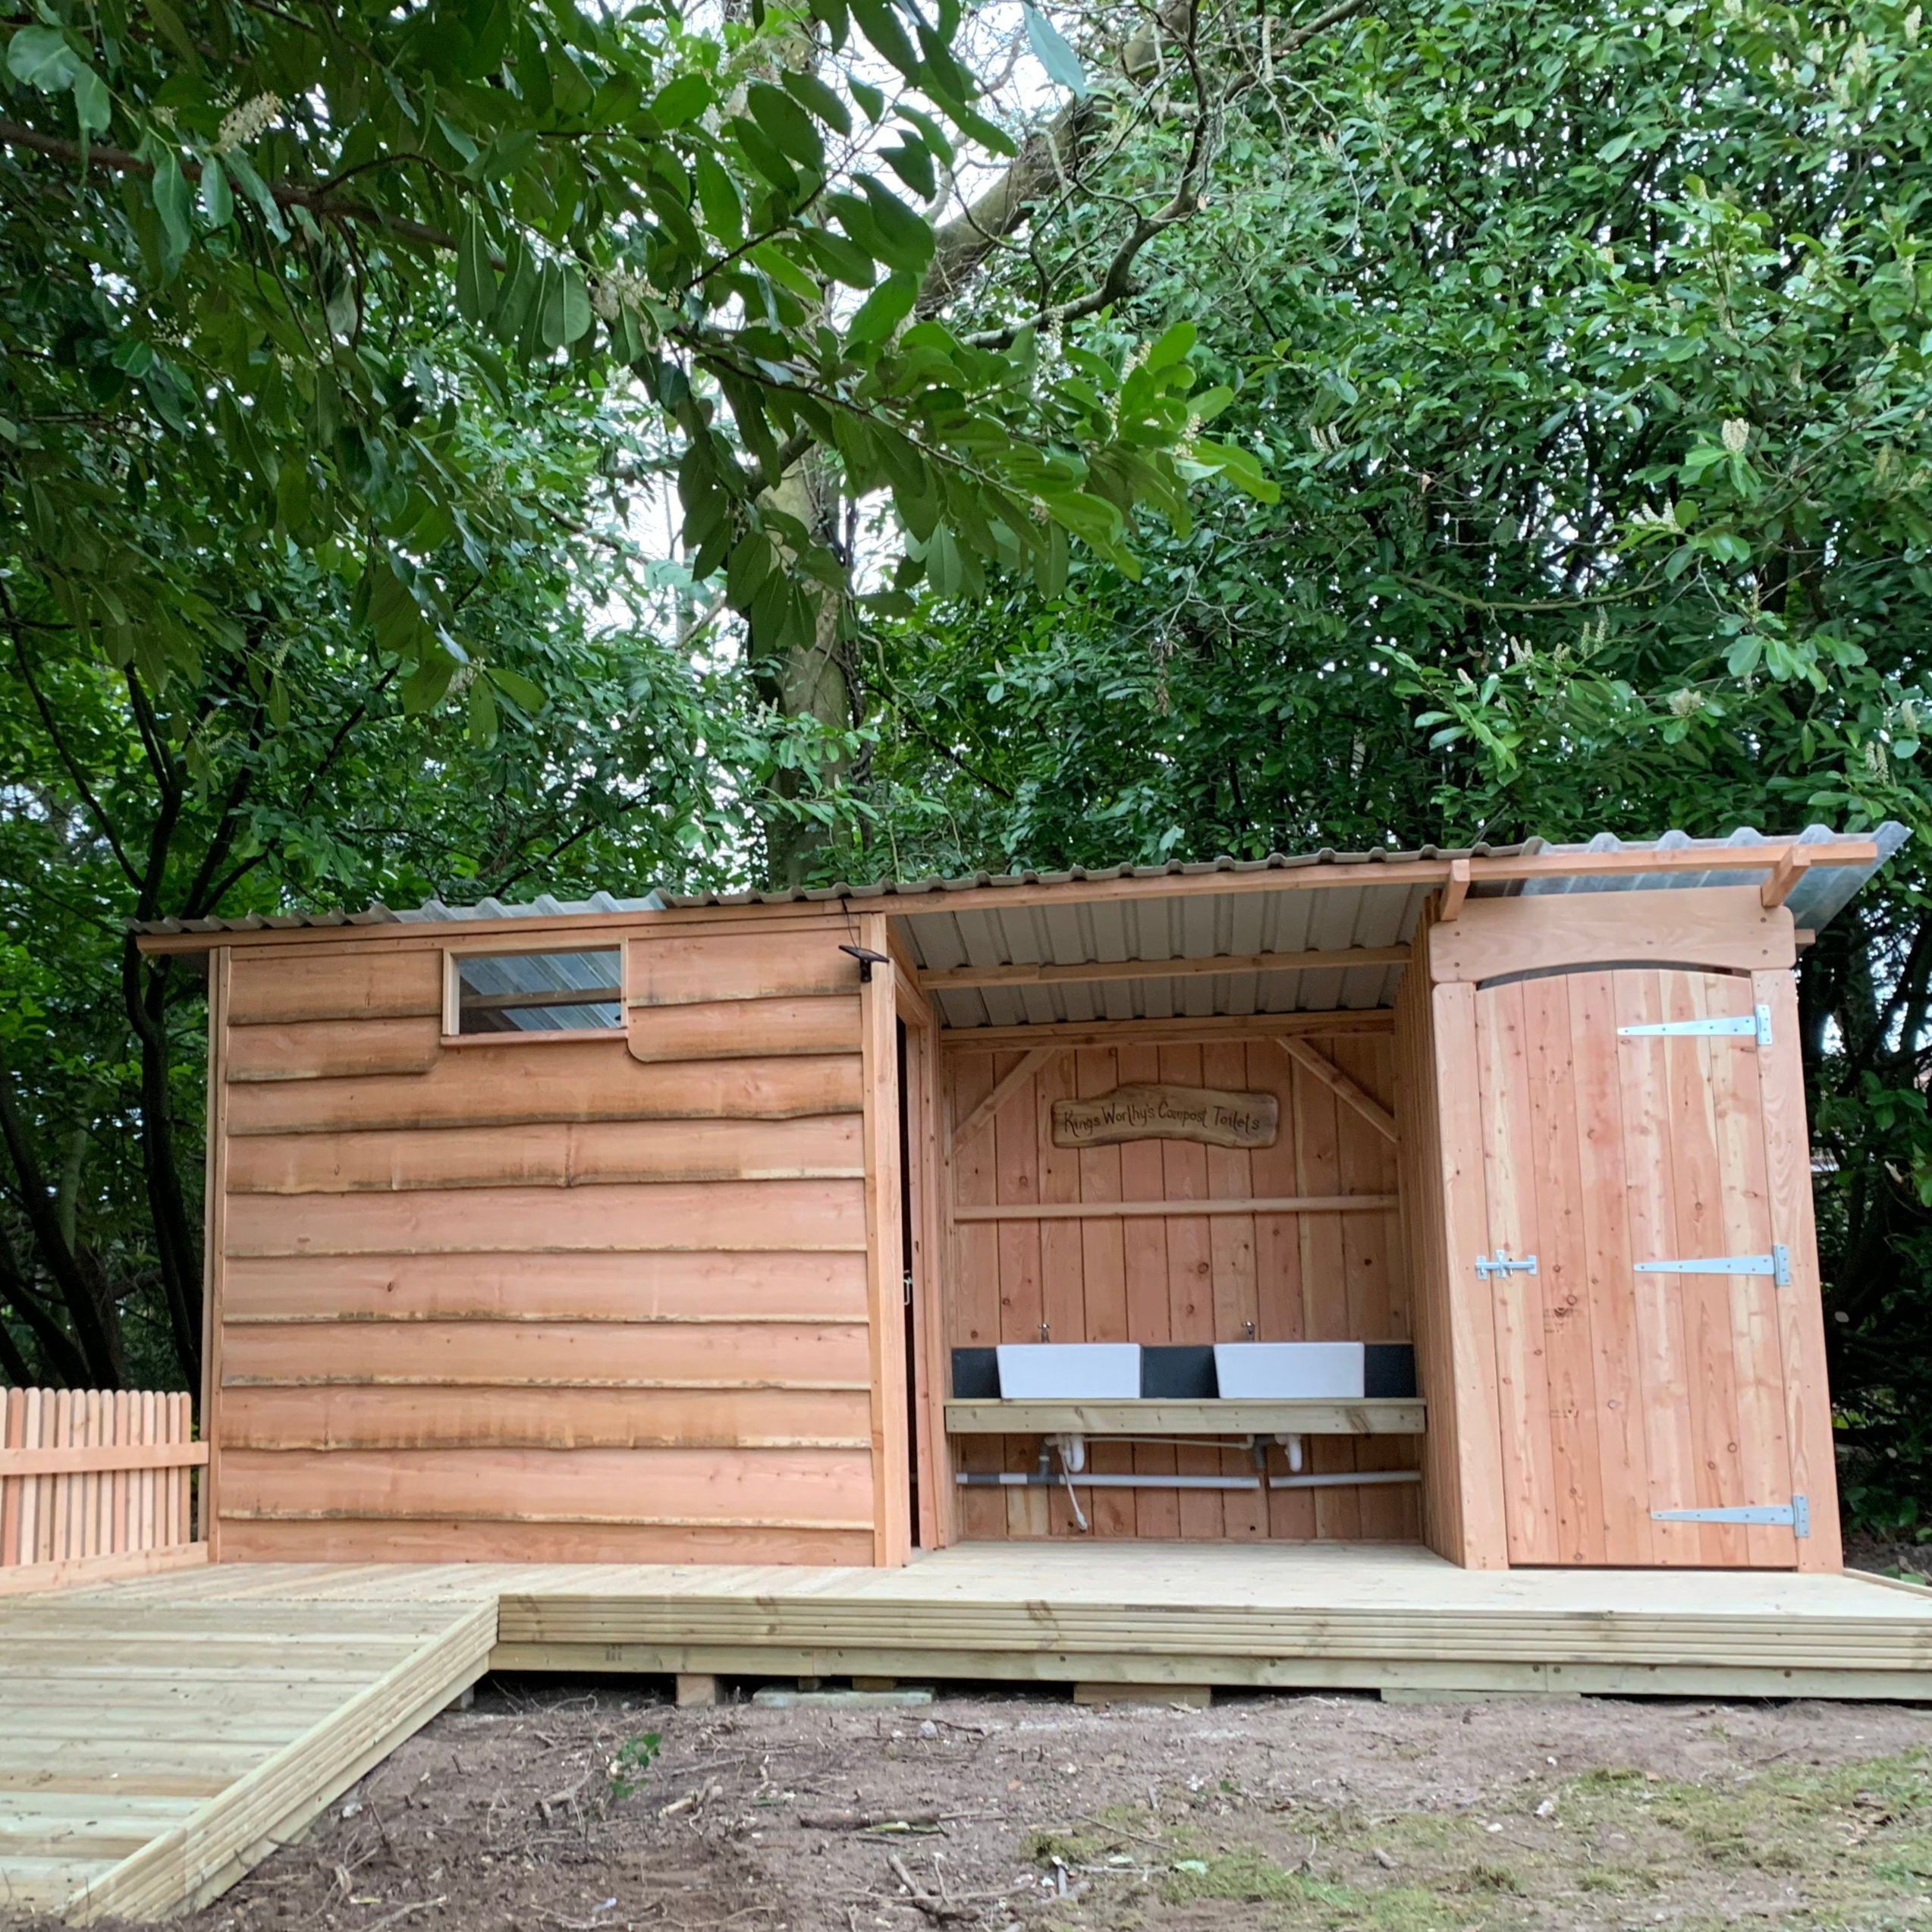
[867, 959]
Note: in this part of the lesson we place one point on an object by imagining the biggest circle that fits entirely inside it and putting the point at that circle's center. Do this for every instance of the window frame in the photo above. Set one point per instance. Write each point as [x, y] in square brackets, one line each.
[552, 941]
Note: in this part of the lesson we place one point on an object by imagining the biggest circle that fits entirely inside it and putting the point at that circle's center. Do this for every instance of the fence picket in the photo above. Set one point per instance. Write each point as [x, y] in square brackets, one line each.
[69, 1516]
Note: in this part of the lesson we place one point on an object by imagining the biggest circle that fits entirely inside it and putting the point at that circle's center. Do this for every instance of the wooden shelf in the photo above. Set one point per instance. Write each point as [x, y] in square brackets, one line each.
[1151, 1416]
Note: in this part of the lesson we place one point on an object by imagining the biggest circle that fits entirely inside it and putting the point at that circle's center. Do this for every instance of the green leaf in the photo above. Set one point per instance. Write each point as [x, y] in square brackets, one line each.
[871, 102]
[92, 108]
[476, 280]
[682, 100]
[717, 196]
[785, 124]
[884, 309]
[482, 712]
[518, 294]
[1062, 63]
[816, 98]
[172, 203]
[772, 257]
[880, 26]
[909, 160]
[40, 56]
[1174, 347]
[524, 695]
[563, 307]
[218, 201]
[763, 154]
[843, 260]
[907, 237]
[241, 169]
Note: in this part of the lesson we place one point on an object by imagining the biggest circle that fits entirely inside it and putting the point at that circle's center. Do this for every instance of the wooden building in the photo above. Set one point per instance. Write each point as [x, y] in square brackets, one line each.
[667, 1230]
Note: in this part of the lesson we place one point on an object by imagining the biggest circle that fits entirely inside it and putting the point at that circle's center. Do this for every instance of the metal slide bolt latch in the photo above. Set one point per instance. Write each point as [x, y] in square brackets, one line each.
[1499, 1262]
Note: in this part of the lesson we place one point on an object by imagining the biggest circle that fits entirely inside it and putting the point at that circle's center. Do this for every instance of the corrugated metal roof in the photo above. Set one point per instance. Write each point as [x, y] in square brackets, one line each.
[1198, 925]
[1175, 868]
[543, 906]
[1818, 898]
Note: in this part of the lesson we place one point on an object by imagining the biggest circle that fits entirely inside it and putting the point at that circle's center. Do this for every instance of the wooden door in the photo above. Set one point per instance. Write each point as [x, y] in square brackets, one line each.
[1625, 1390]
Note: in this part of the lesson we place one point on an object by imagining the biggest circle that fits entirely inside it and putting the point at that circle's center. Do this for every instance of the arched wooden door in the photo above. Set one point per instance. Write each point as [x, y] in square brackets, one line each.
[1640, 1388]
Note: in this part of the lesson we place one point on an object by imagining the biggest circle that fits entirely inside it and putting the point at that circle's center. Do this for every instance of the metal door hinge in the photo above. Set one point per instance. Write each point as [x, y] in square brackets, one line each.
[1777, 1264]
[1499, 1262]
[1795, 1516]
[1756, 1026]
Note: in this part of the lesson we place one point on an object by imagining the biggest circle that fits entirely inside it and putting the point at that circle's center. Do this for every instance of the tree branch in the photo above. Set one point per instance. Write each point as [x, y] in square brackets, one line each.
[95, 1353]
[318, 201]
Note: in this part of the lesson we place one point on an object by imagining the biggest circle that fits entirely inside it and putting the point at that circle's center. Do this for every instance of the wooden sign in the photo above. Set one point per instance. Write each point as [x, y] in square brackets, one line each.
[1161, 1112]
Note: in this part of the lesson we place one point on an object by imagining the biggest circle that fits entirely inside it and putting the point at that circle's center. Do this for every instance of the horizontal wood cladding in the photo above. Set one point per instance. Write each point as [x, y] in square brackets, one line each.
[388, 1418]
[333, 1049]
[745, 1029]
[563, 1354]
[569, 1080]
[599, 1298]
[662, 1488]
[548, 1154]
[517, 1288]
[1725, 926]
[465, 1540]
[695, 969]
[734, 1216]
[274, 989]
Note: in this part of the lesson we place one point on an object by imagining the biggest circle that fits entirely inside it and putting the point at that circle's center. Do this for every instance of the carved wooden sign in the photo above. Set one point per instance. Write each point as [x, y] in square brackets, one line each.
[1160, 1112]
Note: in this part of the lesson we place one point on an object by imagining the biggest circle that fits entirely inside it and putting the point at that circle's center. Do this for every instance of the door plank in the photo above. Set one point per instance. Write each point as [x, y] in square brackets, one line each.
[1800, 1312]
[1515, 1300]
[1697, 1171]
[1567, 1304]
[1664, 1362]
[1603, 1227]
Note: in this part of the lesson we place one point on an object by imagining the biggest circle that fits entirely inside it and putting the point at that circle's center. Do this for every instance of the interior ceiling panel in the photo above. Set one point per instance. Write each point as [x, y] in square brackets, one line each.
[1232, 925]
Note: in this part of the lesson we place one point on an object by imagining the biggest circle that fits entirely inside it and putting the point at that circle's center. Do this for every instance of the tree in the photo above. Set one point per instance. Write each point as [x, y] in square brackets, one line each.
[1588, 347]
[335, 345]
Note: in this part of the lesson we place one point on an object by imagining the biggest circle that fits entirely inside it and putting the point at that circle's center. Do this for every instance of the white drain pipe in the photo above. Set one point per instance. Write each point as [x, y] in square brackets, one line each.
[1017, 1479]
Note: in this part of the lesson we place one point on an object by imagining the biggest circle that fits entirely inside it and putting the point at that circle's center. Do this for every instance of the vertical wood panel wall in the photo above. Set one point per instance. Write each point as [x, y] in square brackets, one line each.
[601, 1300]
[1179, 1277]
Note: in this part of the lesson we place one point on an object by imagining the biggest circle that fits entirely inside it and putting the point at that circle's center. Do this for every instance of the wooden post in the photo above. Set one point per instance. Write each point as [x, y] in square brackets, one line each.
[885, 1256]
[1467, 1327]
[214, 1238]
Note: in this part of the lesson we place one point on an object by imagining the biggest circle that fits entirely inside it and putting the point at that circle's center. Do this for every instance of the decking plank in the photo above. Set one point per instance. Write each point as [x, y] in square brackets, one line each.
[159, 1737]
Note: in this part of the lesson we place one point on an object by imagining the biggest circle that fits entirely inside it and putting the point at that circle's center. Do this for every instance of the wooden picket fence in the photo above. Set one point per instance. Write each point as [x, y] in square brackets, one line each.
[95, 1484]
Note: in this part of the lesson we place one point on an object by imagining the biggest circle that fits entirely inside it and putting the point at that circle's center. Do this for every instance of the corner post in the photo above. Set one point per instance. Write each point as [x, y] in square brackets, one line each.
[885, 1263]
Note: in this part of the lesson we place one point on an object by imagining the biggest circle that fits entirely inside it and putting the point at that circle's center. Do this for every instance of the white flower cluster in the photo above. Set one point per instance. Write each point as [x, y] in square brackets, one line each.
[247, 122]
[617, 290]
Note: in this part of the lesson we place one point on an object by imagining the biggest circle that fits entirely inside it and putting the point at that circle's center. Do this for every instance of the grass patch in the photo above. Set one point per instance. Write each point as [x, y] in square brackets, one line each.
[1841, 1849]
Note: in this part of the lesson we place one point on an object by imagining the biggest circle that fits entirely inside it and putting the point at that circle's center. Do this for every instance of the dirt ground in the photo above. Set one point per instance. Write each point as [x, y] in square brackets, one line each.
[596, 1805]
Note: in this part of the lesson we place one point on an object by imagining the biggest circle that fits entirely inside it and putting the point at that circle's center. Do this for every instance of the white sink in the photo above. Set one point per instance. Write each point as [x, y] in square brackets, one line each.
[1264, 1370]
[1072, 1371]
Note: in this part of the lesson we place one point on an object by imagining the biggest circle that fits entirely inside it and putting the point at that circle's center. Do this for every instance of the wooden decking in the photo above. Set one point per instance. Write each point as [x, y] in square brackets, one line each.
[158, 1737]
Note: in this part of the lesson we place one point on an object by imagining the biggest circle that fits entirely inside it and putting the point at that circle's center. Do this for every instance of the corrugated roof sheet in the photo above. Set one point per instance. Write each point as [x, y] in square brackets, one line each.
[1818, 898]
[1275, 862]
[1202, 925]
[543, 906]
[1239, 925]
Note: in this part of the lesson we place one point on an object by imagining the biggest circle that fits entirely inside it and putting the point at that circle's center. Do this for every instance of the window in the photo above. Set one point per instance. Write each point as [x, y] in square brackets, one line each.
[538, 992]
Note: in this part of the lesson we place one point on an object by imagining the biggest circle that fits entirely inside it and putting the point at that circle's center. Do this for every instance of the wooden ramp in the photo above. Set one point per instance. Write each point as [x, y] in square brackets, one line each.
[154, 1743]
[160, 1736]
